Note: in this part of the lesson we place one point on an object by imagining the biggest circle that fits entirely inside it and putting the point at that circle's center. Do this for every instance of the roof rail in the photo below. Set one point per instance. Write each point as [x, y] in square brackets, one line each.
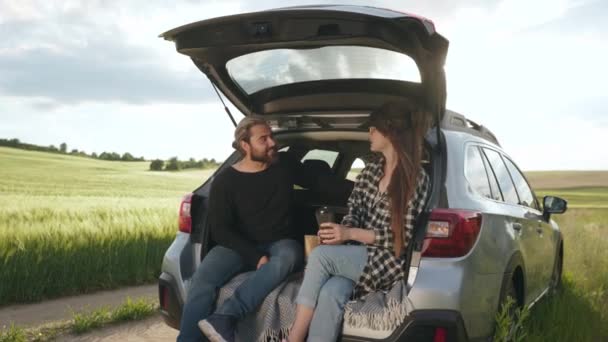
[457, 122]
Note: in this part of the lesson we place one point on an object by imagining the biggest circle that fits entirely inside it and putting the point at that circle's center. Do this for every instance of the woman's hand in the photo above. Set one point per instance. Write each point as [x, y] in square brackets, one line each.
[333, 233]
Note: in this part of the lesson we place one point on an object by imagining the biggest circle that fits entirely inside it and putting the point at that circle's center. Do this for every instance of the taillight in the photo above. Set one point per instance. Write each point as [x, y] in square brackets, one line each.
[185, 220]
[451, 233]
[440, 335]
[164, 298]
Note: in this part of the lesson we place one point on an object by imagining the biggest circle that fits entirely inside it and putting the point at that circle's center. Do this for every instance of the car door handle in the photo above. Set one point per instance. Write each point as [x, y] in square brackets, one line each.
[517, 226]
[539, 230]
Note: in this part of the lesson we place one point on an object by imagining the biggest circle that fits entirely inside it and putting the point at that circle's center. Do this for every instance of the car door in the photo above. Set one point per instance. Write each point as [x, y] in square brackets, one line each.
[318, 59]
[545, 238]
[524, 231]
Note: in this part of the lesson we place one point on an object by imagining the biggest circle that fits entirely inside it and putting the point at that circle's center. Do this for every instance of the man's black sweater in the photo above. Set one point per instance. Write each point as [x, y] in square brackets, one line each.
[248, 209]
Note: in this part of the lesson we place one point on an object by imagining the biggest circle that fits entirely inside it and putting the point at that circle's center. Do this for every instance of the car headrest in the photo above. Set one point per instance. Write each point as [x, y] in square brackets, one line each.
[317, 167]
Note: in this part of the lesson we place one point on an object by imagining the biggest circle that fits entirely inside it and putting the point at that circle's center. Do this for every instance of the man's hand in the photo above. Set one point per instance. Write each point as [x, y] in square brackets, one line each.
[262, 261]
[333, 233]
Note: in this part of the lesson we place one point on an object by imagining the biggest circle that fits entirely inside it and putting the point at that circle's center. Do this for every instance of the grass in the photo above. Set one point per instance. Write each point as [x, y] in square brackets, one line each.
[567, 179]
[12, 334]
[129, 311]
[510, 322]
[579, 197]
[83, 322]
[70, 225]
[578, 312]
[582, 189]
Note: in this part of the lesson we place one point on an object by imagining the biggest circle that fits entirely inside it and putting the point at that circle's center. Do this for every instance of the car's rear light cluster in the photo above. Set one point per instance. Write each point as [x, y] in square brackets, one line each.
[185, 220]
[164, 304]
[440, 335]
[451, 233]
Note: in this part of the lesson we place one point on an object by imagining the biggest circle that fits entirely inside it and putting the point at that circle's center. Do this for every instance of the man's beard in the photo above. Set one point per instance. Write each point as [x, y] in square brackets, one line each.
[263, 156]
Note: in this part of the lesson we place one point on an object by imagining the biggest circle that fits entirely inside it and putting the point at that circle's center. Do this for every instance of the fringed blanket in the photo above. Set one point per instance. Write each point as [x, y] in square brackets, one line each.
[379, 311]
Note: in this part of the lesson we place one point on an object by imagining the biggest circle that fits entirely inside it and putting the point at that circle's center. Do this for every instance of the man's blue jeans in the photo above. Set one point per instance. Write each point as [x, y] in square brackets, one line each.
[222, 264]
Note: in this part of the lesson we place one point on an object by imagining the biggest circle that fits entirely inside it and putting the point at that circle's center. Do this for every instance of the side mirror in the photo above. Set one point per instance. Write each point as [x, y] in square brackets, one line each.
[553, 205]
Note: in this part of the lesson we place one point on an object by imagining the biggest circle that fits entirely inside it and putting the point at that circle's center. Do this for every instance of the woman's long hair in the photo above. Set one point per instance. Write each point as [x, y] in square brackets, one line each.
[404, 124]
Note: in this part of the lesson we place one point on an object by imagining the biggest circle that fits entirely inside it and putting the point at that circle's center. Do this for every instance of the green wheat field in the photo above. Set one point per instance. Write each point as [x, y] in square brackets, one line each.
[71, 225]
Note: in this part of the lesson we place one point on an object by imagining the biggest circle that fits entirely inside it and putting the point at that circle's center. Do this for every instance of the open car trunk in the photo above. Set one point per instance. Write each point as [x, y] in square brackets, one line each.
[319, 59]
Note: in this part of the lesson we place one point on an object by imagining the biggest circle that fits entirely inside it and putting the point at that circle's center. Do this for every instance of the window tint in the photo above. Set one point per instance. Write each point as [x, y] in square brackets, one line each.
[503, 177]
[476, 172]
[496, 194]
[325, 155]
[355, 169]
[523, 189]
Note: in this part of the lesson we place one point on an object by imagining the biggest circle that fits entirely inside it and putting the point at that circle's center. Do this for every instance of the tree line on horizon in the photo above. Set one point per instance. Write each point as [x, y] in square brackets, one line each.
[175, 164]
[63, 149]
[172, 164]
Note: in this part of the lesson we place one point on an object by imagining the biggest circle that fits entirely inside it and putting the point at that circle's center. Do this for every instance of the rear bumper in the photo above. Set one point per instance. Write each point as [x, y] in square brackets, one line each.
[171, 303]
[421, 325]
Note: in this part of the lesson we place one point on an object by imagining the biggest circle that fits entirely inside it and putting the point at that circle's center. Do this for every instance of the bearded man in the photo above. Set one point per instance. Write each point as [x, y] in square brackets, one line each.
[249, 214]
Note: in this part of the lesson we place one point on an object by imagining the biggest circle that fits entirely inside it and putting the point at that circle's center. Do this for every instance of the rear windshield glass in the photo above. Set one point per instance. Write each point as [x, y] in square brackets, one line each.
[271, 68]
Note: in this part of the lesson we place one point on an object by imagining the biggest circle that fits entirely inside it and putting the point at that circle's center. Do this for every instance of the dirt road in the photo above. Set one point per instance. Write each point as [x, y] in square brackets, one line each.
[29, 315]
[152, 329]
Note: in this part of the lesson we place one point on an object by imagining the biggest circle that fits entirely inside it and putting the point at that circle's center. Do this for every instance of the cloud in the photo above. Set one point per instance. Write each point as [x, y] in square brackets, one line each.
[592, 109]
[44, 105]
[151, 130]
[88, 74]
[93, 52]
[586, 16]
[99, 51]
[74, 52]
[522, 65]
[529, 71]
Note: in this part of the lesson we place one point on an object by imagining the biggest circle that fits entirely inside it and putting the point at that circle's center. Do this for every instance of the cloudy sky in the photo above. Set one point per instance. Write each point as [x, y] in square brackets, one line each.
[94, 74]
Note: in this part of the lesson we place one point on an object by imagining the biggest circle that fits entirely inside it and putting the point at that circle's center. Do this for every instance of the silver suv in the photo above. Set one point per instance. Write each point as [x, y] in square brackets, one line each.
[315, 73]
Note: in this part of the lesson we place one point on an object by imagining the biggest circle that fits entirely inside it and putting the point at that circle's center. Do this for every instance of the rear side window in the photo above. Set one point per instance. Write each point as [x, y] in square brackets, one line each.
[496, 194]
[523, 189]
[476, 172]
[355, 169]
[502, 175]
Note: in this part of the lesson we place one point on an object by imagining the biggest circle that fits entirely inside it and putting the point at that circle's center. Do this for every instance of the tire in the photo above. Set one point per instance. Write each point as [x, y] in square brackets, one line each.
[509, 290]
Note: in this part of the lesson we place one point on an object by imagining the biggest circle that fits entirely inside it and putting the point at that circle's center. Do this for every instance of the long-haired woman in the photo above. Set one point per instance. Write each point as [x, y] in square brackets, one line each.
[389, 194]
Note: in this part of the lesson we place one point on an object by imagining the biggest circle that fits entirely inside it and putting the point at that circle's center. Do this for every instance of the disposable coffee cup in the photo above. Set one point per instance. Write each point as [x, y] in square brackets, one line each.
[310, 242]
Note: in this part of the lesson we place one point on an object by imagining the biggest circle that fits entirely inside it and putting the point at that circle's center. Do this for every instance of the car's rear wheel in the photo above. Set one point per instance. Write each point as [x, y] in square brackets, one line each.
[510, 291]
[506, 327]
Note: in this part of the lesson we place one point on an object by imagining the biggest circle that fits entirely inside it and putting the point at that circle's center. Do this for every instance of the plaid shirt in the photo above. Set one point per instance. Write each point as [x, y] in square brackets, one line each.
[368, 208]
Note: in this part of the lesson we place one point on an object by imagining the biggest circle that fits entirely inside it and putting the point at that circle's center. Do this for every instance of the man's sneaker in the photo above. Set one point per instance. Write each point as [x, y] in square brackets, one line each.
[218, 328]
